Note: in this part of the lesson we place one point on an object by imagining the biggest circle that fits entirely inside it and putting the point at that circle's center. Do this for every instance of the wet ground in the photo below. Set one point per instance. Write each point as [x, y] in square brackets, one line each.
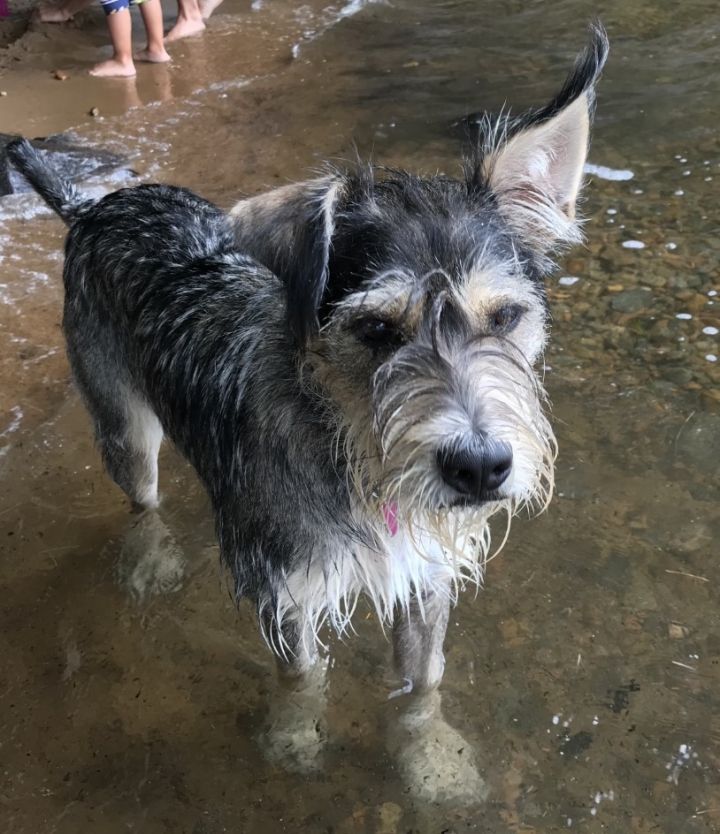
[581, 683]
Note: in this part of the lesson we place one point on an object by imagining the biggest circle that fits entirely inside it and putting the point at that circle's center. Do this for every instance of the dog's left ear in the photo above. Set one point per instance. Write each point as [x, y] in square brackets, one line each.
[307, 273]
[534, 164]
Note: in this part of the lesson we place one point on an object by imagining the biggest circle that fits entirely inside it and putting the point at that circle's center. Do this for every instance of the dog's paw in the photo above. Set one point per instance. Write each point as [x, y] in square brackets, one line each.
[295, 740]
[297, 733]
[150, 561]
[435, 761]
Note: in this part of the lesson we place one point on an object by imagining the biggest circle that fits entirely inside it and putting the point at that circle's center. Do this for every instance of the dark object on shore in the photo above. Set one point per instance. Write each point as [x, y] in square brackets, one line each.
[76, 162]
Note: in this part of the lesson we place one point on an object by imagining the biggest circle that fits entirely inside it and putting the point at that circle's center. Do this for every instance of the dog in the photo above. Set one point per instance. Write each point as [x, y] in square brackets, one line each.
[349, 363]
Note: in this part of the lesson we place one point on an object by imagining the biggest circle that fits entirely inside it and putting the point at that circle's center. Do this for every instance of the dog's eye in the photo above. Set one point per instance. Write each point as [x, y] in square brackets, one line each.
[505, 318]
[378, 333]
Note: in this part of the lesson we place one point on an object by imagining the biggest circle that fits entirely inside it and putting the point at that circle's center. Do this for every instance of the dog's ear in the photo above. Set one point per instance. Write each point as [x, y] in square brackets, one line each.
[534, 164]
[307, 272]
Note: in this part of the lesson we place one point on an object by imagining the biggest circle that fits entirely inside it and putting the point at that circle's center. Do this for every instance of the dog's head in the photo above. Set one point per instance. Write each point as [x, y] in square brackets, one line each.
[418, 305]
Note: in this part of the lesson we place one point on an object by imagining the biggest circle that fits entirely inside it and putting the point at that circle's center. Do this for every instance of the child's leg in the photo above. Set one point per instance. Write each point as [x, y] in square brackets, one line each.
[151, 12]
[120, 26]
[189, 21]
[207, 7]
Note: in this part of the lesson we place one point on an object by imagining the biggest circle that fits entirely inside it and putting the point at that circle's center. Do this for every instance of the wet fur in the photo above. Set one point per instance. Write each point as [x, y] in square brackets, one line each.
[237, 337]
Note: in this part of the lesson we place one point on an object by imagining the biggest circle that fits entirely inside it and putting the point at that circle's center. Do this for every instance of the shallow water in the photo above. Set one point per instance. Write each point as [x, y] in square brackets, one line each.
[581, 684]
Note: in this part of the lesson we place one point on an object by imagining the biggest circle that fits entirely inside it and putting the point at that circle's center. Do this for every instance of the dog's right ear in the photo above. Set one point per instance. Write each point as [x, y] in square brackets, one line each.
[307, 273]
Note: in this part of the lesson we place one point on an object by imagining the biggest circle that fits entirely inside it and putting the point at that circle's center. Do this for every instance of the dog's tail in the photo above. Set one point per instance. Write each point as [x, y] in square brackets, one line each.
[60, 194]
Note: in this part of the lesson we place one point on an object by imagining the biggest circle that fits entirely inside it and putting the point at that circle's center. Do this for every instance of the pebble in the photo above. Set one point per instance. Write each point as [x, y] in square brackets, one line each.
[60, 75]
[94, 111]
[633, 244]
[679, 375]
[677, 631]
[698, 442]
[710, 331]
[654, 279]
[632, 301]
[3, 92]
[568, 280]
[390, 814]
[711, 357]
[683, 316]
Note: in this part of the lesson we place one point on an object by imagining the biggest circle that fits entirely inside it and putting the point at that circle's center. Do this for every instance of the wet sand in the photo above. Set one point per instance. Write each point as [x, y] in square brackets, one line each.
[580, 690]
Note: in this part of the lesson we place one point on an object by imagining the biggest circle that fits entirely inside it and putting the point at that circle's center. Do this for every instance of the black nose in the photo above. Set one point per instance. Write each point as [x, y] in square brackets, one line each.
[475, 470]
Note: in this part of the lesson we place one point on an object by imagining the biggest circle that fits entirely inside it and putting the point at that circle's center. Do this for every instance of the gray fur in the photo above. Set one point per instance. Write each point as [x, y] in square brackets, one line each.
[350, 364]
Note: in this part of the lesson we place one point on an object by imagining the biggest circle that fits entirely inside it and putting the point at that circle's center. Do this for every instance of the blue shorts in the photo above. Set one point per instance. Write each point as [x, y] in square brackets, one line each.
[112, 6]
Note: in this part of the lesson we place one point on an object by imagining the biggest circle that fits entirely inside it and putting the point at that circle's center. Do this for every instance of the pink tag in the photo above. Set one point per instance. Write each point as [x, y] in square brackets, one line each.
[390, 511]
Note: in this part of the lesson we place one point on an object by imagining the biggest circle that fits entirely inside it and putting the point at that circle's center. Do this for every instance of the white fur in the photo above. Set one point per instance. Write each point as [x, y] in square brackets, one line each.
[401, 568]
[145, 436]
[537, 175]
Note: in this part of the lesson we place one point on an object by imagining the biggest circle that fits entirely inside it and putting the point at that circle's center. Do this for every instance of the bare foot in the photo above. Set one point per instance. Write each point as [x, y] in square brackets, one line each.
[207, 7]
[153, 56]
[185, 28]
[113, 69]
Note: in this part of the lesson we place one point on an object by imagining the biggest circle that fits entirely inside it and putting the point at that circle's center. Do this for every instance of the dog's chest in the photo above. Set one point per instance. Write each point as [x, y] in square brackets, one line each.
[405, 566]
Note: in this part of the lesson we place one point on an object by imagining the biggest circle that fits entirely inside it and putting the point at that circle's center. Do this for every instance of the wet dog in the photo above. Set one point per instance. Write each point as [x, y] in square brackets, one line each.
[348, 363]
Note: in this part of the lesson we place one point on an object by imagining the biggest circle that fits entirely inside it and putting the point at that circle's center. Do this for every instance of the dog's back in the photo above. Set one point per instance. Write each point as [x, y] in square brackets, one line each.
[155, 293]
[148, 224]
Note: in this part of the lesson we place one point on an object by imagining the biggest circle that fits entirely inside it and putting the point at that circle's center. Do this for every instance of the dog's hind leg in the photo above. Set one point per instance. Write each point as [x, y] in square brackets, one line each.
[129, 439]
[127, 430]
[418, 636]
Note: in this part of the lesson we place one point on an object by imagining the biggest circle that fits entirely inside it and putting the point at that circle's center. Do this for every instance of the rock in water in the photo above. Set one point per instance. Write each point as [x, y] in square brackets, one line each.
[71, 160]
[697, 444]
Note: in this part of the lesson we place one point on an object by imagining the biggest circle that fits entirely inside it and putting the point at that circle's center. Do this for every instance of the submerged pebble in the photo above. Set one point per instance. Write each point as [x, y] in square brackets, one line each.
[632, 301]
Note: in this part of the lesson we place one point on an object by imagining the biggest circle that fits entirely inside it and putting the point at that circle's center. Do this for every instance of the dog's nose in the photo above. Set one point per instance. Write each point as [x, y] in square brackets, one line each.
[476, 471]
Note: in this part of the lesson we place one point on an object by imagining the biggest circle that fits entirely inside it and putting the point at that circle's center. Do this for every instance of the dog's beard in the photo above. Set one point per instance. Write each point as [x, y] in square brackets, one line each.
[391, 454]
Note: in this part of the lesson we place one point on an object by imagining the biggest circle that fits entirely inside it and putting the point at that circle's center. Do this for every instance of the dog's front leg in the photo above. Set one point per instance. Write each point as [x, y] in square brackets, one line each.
[418, 636]
[434, 759]
[296, 730]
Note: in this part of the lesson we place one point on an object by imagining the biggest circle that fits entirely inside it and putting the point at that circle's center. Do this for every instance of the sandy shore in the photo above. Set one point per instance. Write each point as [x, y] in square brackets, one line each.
[13, 27]
[44, 66]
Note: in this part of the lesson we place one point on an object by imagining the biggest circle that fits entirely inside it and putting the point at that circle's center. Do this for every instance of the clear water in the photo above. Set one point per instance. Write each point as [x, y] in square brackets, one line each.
[581, 683]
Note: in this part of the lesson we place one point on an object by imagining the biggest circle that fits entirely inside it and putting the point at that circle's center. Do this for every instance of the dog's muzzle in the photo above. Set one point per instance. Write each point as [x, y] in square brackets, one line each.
[477, 468]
